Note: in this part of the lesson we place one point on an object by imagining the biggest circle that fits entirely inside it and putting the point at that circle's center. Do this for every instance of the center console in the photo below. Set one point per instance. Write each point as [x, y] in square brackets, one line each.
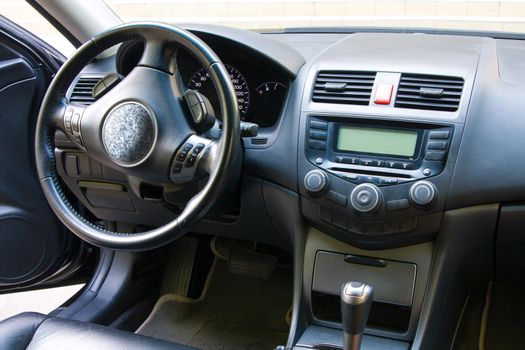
[366, 180]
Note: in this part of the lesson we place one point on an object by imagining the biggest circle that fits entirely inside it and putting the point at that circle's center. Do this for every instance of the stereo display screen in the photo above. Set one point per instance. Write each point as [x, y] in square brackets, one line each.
[361, 139]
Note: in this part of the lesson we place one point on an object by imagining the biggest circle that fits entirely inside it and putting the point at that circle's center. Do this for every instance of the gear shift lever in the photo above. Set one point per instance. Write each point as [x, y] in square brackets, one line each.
[356, 299]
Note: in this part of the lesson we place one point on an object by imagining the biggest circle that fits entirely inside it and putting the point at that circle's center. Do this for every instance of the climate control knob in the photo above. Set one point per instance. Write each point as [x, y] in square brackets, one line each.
[366, 198]
[315, 181]
[422, 193]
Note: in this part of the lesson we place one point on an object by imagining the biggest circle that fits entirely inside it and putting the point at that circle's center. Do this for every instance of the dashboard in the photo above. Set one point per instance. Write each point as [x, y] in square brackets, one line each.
[370, 133]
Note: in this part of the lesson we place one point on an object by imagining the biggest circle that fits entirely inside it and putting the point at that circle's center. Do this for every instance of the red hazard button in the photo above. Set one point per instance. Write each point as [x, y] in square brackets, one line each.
[383, 94]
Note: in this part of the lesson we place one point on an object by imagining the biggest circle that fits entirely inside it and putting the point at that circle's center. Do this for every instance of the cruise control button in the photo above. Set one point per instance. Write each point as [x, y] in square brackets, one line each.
[177, 167]
[198, 148]
[190, 161]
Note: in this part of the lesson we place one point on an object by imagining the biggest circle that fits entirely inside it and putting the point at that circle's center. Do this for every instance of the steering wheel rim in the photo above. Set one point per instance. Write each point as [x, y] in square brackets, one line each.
[159, 42]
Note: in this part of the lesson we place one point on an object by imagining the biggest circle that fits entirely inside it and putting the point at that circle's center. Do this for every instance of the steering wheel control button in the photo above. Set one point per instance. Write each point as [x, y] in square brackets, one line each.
[366, 198]
[177, 167]
[184, 152]
[129, 133]
[422, 193]
[315, 181]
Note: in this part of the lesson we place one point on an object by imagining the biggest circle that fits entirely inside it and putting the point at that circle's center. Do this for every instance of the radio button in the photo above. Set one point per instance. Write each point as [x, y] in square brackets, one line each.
[367, 162]
[351, 177]
[366, 198]
[346, 160]
[400, 165]
[437, 145]
[379, 162]
[439, 135]
[315, 124]
[318, 135]
[315, 181]
[435, 156]
[319, 145]
[388, 181]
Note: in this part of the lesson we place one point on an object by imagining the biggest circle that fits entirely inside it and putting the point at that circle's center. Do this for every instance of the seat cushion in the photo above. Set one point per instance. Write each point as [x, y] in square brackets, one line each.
[36, 331]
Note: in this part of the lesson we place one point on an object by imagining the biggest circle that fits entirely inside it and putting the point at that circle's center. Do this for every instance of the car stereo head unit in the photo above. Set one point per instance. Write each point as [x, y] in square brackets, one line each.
[375, 151]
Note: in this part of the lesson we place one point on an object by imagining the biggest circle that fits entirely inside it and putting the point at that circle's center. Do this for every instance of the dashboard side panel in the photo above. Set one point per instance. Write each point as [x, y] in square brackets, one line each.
[463, 259]
[491, 161]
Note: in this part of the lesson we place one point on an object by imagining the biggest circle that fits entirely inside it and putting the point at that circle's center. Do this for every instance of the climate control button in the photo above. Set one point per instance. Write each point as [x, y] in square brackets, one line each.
[366, 198]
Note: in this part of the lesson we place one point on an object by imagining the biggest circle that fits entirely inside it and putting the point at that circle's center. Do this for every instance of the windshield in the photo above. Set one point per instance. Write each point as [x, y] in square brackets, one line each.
[491, 16]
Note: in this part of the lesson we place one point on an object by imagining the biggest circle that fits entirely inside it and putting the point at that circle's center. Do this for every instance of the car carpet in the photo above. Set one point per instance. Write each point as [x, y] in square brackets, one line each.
[235, 312]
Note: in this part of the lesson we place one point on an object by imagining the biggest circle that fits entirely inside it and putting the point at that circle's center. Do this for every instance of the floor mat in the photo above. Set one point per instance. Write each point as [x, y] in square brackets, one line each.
[506, 323]
[235, 312]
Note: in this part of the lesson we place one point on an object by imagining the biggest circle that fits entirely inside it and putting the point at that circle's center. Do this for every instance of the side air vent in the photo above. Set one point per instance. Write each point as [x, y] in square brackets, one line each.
[259, 141]
[82, 92]
[430, 92]
[344, 87]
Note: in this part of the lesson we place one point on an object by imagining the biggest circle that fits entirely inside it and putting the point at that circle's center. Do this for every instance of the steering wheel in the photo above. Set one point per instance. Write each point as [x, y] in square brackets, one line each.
[142, 128]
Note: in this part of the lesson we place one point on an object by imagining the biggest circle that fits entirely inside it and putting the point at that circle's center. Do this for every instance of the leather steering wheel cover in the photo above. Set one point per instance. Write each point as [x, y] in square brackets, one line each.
[55, 100]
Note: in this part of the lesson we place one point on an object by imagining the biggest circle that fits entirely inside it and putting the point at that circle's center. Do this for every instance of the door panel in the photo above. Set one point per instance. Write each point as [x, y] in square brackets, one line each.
[34, 246]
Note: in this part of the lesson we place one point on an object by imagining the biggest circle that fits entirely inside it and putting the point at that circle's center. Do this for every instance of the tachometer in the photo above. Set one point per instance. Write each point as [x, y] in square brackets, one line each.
[201, 82]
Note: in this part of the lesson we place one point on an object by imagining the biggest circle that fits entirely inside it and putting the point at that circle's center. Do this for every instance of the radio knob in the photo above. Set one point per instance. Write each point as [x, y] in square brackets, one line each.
[315, 181]
[422, 193]
[366, 198]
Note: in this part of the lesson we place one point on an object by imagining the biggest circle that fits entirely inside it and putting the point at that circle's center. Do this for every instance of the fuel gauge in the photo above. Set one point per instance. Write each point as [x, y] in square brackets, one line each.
[270, 88]
[268, 101]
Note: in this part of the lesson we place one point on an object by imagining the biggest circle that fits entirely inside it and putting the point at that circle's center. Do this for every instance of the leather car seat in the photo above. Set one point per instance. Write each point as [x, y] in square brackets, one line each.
[36, 331]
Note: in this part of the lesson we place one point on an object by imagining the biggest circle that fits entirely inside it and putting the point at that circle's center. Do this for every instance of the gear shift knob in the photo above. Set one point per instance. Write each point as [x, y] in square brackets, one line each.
[356, 299]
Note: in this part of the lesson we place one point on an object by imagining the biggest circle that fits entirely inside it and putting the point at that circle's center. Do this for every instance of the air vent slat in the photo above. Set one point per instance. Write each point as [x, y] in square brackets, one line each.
[81, 93]
[357, 90]
[429, 92]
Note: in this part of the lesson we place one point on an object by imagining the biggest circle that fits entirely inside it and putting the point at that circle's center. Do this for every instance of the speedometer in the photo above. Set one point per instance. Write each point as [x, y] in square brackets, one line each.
[201, 82]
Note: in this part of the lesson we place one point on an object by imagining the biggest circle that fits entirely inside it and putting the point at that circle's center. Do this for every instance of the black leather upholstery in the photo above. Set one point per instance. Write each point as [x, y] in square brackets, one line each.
[35, 331]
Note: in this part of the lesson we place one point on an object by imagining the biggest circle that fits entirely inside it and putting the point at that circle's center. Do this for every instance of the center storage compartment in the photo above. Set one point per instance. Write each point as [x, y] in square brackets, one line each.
[393, 283]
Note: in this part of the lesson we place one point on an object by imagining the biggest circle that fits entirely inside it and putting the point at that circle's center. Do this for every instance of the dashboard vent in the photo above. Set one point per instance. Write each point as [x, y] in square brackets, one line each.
[431, 92]
[259, 141]
[344, 87]
[81, 93]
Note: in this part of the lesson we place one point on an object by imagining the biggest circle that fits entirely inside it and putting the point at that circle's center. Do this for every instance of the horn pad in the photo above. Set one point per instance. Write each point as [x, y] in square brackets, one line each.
[129, 133]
